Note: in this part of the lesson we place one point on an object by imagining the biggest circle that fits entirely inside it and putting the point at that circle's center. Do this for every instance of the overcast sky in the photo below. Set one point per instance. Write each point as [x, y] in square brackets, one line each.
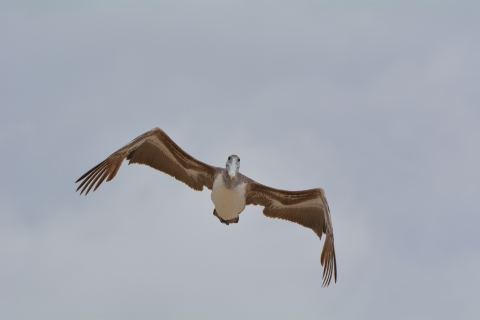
[377, 103]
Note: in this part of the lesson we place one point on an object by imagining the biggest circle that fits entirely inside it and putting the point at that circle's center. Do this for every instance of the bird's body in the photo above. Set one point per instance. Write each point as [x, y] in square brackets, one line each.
[231, 190]
[229, 197]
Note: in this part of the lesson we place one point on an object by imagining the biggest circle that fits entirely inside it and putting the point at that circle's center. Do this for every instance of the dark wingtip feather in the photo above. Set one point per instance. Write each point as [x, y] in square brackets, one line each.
[91, 176]
[89, 171]
[105, 174]
[335, 265]
[96, 175]
[329, 262]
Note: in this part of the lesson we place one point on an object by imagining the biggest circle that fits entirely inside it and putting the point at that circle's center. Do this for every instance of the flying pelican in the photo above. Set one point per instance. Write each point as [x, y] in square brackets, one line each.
[231, 190]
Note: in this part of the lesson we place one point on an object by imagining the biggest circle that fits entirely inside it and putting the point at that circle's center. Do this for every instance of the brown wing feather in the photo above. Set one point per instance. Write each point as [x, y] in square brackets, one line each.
[155, 149]
[308, 208]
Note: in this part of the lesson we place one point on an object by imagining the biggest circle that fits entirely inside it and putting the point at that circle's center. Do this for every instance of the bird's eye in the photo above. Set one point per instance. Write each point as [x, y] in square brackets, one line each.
[238, 159]
[229, 158]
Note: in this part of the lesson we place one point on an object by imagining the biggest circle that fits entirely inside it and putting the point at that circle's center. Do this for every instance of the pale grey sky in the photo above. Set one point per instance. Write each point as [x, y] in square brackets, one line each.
[377, 103]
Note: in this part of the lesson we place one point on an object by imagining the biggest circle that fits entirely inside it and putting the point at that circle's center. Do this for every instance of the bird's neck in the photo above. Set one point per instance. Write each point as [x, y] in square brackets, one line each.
[230, 182]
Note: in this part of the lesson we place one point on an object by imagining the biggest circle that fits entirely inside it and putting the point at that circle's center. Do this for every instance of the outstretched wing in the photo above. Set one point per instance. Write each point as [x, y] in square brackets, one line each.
[155, 149]
[308, 208]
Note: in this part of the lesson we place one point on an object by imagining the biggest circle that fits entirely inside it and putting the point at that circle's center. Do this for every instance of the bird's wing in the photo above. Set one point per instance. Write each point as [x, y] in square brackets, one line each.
[155, 149]
[308, 208]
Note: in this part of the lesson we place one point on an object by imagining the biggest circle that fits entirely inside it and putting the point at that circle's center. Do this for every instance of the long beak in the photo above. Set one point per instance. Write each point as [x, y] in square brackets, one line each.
[232, 171]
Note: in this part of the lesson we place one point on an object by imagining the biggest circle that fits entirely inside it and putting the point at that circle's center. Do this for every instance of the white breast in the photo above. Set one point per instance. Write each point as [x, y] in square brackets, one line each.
[228, 202]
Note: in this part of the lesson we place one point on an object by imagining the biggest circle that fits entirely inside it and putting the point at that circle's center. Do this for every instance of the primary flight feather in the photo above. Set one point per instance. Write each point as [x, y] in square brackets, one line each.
[231, 190]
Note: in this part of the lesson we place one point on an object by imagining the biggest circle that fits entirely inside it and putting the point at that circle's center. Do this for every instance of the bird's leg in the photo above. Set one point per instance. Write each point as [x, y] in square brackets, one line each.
[227, 222]
[234, 220]
[221, 220]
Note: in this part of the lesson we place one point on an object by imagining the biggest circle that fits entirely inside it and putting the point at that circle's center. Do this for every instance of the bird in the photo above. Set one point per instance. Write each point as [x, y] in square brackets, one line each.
[231, 190]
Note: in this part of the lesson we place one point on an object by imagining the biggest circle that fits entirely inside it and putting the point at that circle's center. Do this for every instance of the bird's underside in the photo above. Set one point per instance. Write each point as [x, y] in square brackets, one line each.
[231, 191]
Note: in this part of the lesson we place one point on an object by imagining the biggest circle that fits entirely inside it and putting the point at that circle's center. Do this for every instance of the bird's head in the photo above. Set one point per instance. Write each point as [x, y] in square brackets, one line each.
[232, 166]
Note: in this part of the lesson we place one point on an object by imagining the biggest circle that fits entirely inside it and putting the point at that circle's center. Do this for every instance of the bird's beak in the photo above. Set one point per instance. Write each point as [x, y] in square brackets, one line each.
[232, 170]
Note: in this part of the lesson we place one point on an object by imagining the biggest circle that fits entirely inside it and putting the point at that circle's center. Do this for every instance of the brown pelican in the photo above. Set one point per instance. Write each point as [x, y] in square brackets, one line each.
[231, 190]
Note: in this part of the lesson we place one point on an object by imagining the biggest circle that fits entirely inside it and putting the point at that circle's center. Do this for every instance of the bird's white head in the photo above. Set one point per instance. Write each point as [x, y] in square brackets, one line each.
[232, 166]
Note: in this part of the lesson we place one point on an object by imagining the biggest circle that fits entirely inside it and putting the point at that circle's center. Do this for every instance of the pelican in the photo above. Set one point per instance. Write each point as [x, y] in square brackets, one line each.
[231, 190]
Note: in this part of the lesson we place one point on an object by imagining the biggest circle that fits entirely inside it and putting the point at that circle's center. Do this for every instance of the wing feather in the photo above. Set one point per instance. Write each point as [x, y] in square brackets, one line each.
[157, 150]
[308, 208]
